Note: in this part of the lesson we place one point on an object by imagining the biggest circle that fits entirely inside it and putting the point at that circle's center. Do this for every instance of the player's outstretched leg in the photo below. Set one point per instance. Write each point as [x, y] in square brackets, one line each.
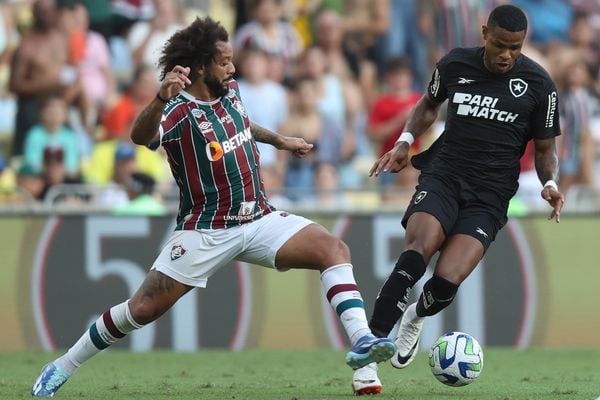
[113, 325]
[370, 349]
[343, 295]
[366, 381]
[49, 381]
[409, 336]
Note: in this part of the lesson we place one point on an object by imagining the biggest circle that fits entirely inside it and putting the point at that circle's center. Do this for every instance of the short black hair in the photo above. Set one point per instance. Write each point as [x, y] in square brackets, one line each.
[508, 17]
[193, 47]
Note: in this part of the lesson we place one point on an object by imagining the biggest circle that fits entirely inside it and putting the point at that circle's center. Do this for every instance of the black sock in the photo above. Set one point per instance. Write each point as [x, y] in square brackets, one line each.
[437, 294]
[393, 296]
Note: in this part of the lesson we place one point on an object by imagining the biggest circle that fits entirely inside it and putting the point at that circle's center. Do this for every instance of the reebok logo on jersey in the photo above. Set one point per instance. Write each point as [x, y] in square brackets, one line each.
[216, 150]
[481, 107]
[465, 81]
[481, 232]
[517, 87]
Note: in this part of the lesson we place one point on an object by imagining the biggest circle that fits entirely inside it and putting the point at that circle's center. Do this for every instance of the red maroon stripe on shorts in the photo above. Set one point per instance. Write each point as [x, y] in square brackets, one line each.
[347, 287]
[110, 325]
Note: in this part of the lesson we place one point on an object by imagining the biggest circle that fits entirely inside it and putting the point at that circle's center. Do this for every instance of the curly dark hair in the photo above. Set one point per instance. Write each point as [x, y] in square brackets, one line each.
[193, 46]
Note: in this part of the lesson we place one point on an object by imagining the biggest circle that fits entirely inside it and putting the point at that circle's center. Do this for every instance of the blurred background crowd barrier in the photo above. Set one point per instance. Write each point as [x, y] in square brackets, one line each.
[529, 291]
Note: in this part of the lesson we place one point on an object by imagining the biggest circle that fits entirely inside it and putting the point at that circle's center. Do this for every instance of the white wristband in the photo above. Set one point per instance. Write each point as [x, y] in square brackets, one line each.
[552, 184]
[406, 137]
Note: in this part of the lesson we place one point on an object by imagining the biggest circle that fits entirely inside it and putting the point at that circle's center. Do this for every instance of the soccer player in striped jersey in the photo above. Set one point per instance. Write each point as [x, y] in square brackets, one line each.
[224, 213]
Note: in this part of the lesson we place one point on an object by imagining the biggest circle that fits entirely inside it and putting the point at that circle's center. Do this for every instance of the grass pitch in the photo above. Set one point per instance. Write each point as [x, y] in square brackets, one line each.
[297, 375]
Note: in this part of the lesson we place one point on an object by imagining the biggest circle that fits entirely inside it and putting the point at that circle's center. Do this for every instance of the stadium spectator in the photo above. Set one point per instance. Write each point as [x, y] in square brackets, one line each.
[342, 108]
[90, 54]
[267, 105]
[329, 36]
[584, 39]
[117, 121]
[120, 114]
[40, 68]
[388, 117]
[468, 176]
[549, 19]
[51, 131]
[99, 168]
[578, 104]
[114, 193]
[54, 173]
[317, 128]
[146, 38]
[404, 38]
[30, 182]
[269, 33]
[8, 181]
[451, 24]
[142, 199]
[215, 166]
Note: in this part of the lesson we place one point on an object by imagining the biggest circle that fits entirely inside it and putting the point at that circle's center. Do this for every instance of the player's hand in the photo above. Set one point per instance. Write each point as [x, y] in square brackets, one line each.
[296, 146]
[174, 82]
[556, 200]
[392, 161]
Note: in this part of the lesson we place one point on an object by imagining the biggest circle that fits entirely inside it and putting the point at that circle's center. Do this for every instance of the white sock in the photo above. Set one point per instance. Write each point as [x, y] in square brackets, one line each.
[343, 295]
[113, 325]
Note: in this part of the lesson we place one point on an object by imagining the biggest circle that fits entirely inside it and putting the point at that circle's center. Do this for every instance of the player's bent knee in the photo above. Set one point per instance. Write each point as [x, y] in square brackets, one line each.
[144, 310]
[438, 294]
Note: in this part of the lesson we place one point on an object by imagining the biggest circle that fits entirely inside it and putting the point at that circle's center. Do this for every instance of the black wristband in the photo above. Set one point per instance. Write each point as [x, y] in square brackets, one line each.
[160, 98]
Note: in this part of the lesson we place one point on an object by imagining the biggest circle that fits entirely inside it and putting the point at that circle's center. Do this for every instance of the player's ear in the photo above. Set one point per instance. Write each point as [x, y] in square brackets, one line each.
[484, 31]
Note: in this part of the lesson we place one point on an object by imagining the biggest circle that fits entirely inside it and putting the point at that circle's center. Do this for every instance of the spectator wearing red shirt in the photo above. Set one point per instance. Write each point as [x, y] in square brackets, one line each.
[120, 115]
[389, 113]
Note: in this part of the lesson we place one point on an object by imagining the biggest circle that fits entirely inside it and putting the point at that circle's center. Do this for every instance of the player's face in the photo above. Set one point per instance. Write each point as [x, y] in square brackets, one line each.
[502, 48]
[220, 72]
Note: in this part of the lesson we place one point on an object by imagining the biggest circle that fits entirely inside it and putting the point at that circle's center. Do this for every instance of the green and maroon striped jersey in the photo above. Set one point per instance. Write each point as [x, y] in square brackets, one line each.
[214, 160]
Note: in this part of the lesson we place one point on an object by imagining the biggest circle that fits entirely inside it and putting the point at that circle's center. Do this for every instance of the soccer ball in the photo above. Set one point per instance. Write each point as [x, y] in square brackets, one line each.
[456, 359]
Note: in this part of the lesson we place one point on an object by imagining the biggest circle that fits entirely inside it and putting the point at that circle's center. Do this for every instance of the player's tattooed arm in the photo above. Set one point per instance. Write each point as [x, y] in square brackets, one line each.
[295, 145]
[546, 160]
[422, 116]
[264, 135]
[546, 166]
[145, 126]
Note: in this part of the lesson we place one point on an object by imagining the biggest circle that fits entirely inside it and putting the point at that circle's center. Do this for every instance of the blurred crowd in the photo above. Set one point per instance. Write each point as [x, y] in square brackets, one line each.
[343, 74]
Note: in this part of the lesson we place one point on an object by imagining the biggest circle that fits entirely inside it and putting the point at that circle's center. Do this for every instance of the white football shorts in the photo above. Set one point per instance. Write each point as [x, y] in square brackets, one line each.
[192, 256]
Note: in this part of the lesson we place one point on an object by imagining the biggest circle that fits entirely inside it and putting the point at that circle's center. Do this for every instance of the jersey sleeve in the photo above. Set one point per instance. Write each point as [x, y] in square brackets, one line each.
[437, 86]
[545, 117]
[173, 120]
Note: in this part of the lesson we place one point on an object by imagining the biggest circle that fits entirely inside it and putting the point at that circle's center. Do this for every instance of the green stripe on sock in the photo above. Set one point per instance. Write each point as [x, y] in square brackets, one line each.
[344, 305]
[96, 339]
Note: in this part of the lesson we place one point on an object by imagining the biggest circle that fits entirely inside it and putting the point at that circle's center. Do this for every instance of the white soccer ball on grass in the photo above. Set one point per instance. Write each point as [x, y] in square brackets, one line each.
[456, 359]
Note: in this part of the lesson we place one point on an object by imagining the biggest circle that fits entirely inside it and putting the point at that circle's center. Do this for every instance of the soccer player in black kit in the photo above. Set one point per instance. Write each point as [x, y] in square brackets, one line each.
[498, 100]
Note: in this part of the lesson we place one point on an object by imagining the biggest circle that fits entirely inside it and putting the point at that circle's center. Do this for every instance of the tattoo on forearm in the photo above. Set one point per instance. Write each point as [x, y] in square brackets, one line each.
[147, 123]
[546, 165]
[264, 135]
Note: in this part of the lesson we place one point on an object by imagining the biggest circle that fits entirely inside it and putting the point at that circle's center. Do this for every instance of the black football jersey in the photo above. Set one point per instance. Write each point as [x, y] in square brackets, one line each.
[490, 119]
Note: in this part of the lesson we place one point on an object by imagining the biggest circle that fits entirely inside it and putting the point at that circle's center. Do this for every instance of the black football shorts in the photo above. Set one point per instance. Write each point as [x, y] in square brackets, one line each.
[457, 210]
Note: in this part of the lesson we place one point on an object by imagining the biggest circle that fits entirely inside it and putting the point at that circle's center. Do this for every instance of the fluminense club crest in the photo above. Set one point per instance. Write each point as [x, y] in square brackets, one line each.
[177, 251]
